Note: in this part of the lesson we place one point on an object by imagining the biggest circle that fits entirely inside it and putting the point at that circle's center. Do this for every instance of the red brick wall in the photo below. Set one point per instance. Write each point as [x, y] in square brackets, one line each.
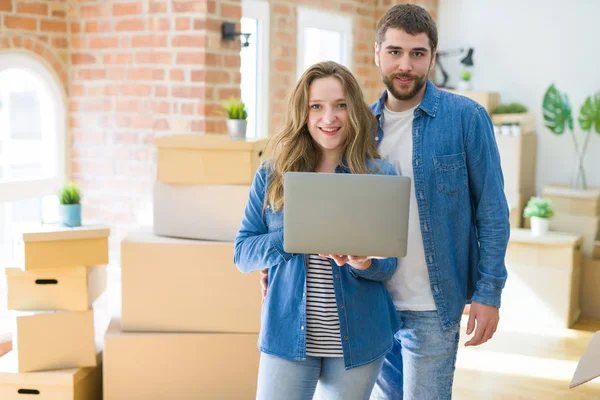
[142, 69]
[135, 69]
[39, 27]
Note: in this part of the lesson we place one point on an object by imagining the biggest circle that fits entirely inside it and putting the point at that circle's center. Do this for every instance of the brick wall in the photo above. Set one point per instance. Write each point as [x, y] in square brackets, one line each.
[142, 69]
[135, 69]
[40, 28]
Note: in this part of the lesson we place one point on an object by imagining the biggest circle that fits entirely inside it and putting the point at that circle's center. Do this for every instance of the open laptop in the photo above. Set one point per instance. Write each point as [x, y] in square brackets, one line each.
[346, 214]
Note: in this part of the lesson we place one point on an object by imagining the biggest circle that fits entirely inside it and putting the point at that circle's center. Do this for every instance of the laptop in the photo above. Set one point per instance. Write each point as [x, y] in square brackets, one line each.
[346, 214]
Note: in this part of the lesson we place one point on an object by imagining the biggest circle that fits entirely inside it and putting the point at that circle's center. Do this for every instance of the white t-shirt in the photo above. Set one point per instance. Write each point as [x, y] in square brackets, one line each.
[409, 287]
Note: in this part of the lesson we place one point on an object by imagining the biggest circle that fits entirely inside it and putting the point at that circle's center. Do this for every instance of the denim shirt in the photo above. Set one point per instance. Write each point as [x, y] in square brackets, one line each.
[366, 312]
[462, 207]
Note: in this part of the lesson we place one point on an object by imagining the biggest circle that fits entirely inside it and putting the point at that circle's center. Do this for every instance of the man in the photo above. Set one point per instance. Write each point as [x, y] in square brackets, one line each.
[458, 224]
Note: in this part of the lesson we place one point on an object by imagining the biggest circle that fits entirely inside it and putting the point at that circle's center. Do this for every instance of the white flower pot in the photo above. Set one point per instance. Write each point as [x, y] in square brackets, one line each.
[539, 226]
[463, 86]
[237, 128]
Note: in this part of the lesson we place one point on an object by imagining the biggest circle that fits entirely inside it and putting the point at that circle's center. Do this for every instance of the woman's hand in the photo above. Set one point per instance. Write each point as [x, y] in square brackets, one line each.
[357, 262]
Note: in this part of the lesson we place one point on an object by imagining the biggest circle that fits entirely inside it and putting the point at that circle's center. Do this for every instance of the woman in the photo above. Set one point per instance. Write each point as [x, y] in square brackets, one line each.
[325, 326]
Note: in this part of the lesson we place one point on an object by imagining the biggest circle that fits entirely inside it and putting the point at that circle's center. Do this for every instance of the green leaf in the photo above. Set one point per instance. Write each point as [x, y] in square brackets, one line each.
[557, 111]
[70, 194]
[590, 113]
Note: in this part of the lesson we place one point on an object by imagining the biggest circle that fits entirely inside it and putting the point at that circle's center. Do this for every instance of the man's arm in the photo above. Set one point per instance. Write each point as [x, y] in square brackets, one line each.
[491, 217]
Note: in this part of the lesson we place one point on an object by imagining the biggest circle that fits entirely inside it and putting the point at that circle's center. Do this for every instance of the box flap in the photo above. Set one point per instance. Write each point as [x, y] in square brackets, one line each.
[62, 377]
[36, 232]
[567, 191]
[588, 367]
[50, 273]
[209, 142]
[549, 239]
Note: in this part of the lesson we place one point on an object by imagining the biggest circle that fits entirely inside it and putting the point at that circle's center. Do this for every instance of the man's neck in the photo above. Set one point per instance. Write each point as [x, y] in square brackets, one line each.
[395, 105]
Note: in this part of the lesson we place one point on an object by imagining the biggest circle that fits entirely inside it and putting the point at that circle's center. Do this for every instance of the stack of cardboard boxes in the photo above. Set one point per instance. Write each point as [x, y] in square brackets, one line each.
[578, 212]
[59, 274]
[190, 320]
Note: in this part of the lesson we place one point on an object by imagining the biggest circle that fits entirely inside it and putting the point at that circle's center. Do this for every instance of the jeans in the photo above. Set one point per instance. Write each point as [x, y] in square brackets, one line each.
[279, 378]
[422, 361]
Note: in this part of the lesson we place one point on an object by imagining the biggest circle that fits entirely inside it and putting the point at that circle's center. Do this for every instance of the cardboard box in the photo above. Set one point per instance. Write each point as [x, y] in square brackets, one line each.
[544, 275]
[157, 366]
[518, 160]
[64, 384]
[596, 254]
[590, 289]
[212, 212]
[584, 225]
[525, 120]
[489, 100]
[178, 285]
[54, 340]
[72, 289]
[43, 246]
[574, 201]
[588, 367]
[208, 159]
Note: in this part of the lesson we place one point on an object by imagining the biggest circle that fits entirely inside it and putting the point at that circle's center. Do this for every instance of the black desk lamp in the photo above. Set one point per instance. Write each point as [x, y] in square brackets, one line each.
[466, 61]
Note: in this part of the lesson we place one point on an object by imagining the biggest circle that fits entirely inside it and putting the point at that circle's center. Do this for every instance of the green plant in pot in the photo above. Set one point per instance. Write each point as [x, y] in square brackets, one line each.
[539, 210]
[236, 118]
[558, 118]
[465, 81]
[69, 211]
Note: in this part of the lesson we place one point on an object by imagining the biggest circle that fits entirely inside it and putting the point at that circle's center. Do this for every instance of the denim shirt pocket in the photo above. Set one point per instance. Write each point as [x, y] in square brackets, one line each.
[450, 173]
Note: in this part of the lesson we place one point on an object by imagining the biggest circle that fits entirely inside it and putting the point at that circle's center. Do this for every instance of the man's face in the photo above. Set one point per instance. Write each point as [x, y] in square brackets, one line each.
[404, 61]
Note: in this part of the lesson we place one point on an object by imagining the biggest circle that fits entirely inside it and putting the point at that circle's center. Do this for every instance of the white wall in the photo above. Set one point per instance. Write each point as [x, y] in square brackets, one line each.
[521, 46]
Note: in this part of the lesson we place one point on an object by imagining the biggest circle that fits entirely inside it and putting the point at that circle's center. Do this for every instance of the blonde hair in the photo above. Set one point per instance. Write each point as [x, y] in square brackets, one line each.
[293, 149]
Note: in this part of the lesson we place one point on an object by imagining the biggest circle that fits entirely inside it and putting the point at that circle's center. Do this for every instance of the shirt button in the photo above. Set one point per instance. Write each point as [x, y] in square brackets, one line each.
[430, 259]
[377, 139]
[302, 328]
[342, 306]
[345, 337]
[337, 276]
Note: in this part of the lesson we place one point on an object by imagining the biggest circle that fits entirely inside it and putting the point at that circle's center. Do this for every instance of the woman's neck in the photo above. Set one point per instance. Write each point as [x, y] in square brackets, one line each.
[328, 162]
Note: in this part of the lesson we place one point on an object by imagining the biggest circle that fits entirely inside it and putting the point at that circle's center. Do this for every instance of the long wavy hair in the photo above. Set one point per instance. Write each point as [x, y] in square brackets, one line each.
[293, 149]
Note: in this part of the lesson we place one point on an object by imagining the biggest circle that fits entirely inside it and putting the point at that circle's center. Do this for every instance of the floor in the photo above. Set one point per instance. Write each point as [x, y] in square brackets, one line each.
[525, 364]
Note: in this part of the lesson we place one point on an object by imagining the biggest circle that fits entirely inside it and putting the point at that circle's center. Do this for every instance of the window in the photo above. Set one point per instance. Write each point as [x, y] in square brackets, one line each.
[255, 66]
[323, 37]
[32, 143]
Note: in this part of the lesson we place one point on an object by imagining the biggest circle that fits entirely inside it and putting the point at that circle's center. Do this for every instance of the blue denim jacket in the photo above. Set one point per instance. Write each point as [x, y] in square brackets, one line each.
[367, 316]
[460, 196]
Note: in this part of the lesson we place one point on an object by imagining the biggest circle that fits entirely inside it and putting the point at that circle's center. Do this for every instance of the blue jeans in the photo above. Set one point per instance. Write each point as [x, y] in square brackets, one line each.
[279, 378]
[422, 361]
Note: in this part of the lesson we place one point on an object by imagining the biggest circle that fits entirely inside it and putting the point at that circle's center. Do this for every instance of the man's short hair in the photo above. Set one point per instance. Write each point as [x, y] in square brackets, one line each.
[410, 18]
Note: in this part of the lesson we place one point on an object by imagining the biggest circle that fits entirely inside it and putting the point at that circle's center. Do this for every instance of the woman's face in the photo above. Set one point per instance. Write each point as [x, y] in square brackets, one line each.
[328, 115]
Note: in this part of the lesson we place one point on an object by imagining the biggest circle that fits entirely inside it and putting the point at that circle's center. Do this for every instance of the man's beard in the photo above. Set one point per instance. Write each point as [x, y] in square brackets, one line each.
[418, 84]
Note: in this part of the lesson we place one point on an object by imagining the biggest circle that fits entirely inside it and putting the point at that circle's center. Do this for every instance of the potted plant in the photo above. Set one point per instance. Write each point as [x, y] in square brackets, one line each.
[540, 211]
[236, 118]
[558, 118]
[465, 81]
[69, 211]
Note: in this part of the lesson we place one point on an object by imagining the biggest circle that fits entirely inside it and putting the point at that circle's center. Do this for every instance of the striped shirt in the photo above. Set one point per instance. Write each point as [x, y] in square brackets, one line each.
[322, 321]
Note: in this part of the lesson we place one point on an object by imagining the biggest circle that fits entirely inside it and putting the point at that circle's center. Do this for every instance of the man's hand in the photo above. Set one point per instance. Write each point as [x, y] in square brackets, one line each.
[487, 318]
[357, 262]
[264, 281]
